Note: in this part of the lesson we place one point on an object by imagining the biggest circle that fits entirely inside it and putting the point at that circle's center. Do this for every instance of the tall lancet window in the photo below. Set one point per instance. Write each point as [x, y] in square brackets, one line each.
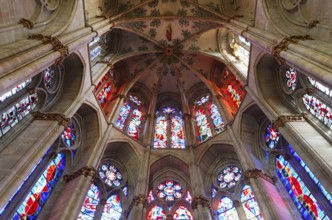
[207, 117]
[169, 131]
[130, 117]
[104, 88]
[249, 204]
[226, 209]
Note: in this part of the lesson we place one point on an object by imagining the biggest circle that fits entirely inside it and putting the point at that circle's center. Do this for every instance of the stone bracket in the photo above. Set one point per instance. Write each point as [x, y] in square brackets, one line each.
[85, 171]
[255, 173]
[284, 43]
[56, 44]
[282, 119]
[60, 118]
[26, 23]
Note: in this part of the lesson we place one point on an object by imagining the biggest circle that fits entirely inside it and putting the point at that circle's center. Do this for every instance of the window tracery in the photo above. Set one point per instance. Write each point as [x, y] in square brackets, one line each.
[271, 136]
[169, 129]
[229, 176]
[90, 203]
[169, 190]
[207, 117]
[112, 208]
[110, 174]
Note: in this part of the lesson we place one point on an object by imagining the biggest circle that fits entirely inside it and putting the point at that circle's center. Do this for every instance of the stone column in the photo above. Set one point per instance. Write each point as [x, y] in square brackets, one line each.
[239, 209]
[150, 121]
[189, 129]
[225, 115]
[139, 201]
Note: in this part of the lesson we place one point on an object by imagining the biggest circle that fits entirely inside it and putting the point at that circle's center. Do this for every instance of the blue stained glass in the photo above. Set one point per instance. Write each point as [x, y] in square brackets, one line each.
[177, 134]
[249, 204]
[271, 136]
[90, 203]
[40, 192]
[110, 174]
[112, 208]
[135, 100]
[157, 213]
[125, 190]
[122, 117]
[229, 176]
[134, 125]
[203, 125]
[169, 110]
[188, 197]
[203, 100]
[226, 209]
[95, 52]
[312, 176]
[69, 135]
[214, 191]
[216, 118]
[302, 197]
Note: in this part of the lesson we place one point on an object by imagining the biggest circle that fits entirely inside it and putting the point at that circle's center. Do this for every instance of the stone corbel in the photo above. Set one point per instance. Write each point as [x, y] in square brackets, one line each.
[139, 199]
[255, 173]
[26, 23]
[309, 91]
[60, 118]
[85, 171]
[313, 24]
[200, 200]
[57, 45]
[284, 43]
[282, 119]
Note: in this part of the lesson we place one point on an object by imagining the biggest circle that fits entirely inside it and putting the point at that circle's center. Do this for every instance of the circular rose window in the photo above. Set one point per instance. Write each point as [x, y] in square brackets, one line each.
[169, 190]
[110, 174]
[228, 177]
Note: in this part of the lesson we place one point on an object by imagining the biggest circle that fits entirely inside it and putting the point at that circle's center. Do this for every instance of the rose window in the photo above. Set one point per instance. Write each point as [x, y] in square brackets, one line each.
[228, 177]
[69, 135]
[110, 174]
[271, 136]
[169, 190]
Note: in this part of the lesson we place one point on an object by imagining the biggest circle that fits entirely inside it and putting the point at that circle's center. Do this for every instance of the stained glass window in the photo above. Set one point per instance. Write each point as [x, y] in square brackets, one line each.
[40, 192]
[250, 205]
[134, 125]
[291, 78]
[232, 90]
[169, 190]
[243, 40]
[188, 197]
[95, 52]
[177, 134]
[68, 136]
[228, 177]
[122, 117]
[160, 134]
[169, 110]
[216, 118]
[234, 94]
[50, 78]
[135, 100]
[319, 109]
[15, 90]
[17, 112]
[302, 197]
[112, 208]
[271, 136]
[226, 209]
[90, 203]
[312, 176]
[320, 87]
[104, 95]
[182, 213]
[203, 100]
[110, 174]
[150, 197]
[157, 213]
[125, 190]
[203, 125]
[214, 191]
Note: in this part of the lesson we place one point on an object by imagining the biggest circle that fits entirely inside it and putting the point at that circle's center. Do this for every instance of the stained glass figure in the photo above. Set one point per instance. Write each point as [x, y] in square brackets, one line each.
[188, 197]
[134, 125]
[291, 78]
[320, 87]
[177, 134]
[157, 213]
[234, 94]
[17, 112]
[271, 136]
[160, 133]
[216, 118]
[319, 109]
[91, 201]
[135, 100]
[40, 192]
[250, 205]
[123, 115]
[50, 78]
[302, 197]
[312, 176]
[15, 90]
[228, 177]
[169, 110]
[203, 125]
[112, 208]
[69, 135]
[182, 213]
[110, 174]
[214, 191]
[203, 100]
[105, 94]
[150, 197]
[226, 209]
[169, 190]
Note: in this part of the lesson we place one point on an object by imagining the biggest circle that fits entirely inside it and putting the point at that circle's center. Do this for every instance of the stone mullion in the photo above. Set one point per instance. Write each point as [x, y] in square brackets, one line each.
[150, 122]
[188, 127]
[239, 209]
[169, 130]
[226, 117]
[128, 119]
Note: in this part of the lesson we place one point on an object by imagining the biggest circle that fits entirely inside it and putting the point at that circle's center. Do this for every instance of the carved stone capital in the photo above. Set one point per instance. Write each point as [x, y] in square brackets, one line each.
[282, 119]
[31, 91]
[139, 199]
[26, 23]
[60, 118]
[200, 200]
[309, 91]
[313, 24]
[85, 171]
[255, 173]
